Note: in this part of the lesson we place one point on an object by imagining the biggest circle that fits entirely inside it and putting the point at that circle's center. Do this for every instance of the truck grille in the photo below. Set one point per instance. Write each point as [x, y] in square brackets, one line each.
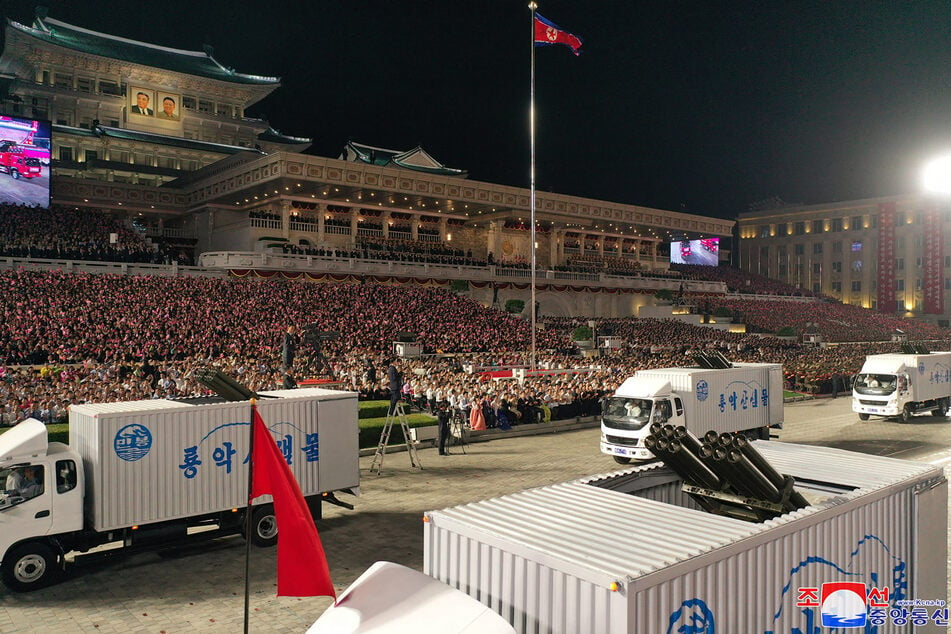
[619, 440]
[872, 403]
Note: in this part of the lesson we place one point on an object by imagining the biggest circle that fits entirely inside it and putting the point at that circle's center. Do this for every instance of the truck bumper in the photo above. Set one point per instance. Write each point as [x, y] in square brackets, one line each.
[882, 409]
[634, 453]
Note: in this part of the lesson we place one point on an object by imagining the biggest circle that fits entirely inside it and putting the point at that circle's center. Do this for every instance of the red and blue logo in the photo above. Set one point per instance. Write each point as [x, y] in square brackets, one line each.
[844, 604]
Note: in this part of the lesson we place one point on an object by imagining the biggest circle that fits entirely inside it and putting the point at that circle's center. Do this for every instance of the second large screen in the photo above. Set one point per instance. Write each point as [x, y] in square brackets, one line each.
[705, 252]
[24, 162]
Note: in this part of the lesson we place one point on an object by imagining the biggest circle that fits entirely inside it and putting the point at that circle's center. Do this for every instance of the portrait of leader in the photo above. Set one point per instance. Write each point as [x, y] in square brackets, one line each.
[141, 102]
[168, 105]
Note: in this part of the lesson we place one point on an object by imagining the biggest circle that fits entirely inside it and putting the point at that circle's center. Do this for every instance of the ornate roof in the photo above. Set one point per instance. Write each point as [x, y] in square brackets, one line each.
[202, 63]
[274, 136]
[159, 139]
[417, 159]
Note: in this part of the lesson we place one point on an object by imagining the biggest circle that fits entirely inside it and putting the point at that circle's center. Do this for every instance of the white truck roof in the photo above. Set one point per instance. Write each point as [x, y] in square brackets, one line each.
[23, 441]
[892, 363]
[644, 387]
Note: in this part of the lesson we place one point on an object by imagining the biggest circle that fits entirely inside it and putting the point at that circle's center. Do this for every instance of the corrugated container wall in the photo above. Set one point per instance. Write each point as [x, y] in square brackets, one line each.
[150, 461]
[546, 558]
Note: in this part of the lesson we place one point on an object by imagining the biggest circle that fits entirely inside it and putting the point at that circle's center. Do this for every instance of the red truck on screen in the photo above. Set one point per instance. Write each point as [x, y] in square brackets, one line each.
[16, 164]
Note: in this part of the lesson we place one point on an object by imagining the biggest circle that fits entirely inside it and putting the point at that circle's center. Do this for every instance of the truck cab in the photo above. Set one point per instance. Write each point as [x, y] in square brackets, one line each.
[42, 496]
[627, 415]
[903, 385]
[15, 163]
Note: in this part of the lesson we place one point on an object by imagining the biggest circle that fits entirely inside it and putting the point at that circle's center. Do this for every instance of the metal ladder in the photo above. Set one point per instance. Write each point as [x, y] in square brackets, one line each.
[398, 414]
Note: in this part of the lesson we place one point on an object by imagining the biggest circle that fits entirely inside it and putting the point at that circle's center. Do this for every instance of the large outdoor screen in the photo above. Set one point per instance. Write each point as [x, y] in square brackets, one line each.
[705, 252]
[24, 162]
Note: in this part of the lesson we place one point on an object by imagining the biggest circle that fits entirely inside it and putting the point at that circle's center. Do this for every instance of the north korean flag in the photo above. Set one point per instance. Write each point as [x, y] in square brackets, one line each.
[547, 32]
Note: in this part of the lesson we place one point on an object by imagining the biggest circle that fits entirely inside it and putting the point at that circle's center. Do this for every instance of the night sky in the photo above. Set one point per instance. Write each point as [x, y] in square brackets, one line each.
[693, 106]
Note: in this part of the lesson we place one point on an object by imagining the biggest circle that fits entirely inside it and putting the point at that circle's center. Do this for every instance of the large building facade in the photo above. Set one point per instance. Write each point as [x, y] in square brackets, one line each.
[887, 254]
[159, 137]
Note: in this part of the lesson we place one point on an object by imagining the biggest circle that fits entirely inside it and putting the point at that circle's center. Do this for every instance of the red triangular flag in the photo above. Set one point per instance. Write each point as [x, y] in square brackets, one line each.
[302, 569]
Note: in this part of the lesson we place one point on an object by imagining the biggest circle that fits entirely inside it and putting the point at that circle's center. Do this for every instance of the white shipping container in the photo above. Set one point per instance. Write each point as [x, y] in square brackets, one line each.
[630, 553]
[151, 461]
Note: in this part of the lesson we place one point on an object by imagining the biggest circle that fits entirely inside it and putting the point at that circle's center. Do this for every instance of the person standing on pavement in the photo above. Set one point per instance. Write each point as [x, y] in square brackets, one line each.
[395, 379]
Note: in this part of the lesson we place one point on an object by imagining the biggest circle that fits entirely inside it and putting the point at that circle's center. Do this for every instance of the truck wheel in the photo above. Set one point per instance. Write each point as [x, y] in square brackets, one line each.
[15, 174]
[906, 415]
[863, 416]
[30, 566]
[622, 460]
[263, 526]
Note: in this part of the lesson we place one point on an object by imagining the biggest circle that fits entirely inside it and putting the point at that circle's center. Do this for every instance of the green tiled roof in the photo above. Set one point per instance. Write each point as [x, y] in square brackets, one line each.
[158, 139]
[94, 43]
[276, 137]
[417, 159]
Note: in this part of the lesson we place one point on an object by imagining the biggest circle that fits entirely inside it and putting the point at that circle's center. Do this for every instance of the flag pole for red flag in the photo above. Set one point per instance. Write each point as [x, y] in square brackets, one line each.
[247, 523]
[531, 118]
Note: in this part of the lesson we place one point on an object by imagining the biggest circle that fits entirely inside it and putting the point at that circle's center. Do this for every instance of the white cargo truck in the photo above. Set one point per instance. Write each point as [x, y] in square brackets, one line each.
[150, 473]
[746, 398]
[632, 552]
[901, 385]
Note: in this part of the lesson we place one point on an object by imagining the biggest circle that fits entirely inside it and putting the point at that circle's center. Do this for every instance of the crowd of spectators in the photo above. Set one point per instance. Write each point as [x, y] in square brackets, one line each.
[75, 338]
[834, 321]
[393, 249]
[60, 233]
[611, 265]
[413, 251]
[69, 234]
[738, 281]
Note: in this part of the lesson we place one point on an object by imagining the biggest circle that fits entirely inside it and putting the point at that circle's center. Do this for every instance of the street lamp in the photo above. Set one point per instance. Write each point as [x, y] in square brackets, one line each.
[937, 175]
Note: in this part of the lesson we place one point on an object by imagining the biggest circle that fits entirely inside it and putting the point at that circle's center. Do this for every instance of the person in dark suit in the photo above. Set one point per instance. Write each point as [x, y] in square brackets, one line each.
[395, 378]
[443, 415]
[142, 104]
[288, 350]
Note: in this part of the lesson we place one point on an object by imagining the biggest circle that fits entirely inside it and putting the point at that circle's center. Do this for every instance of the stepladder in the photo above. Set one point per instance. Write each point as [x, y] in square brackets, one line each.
[398, 415]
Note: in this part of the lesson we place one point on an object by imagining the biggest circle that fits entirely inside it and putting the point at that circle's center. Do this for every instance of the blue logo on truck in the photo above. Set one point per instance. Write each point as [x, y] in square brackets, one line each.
[132, 442]
[811, 607]
[693, 617]
[222, 454]
[703, 390]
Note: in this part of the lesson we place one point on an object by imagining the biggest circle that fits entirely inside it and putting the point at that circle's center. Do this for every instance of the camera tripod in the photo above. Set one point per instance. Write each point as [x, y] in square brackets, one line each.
[457, 431]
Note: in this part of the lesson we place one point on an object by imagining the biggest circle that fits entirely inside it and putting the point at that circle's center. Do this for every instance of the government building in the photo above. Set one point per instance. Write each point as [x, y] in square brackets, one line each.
[159, 138]
[886, 254]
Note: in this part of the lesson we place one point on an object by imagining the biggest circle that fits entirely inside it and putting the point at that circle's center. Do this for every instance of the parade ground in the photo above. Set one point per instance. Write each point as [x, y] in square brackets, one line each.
[201, 588]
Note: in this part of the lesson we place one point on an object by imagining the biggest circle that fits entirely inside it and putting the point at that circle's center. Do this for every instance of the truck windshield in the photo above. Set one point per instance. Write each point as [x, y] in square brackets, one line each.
[875, 384]
[626, 413]
[20, 483]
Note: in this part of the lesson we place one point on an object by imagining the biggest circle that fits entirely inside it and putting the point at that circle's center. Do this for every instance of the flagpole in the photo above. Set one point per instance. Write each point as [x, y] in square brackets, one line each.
[248, 524]
[531, 118]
